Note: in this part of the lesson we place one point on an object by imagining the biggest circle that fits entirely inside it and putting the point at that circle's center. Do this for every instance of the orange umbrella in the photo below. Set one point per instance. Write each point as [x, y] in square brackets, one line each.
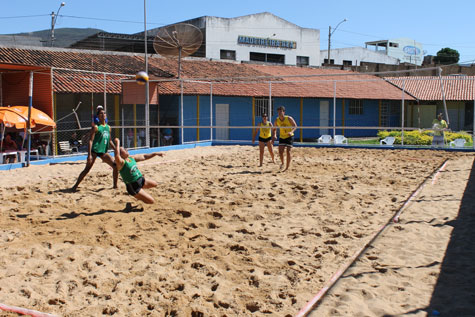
[11, 117]
[37, 116]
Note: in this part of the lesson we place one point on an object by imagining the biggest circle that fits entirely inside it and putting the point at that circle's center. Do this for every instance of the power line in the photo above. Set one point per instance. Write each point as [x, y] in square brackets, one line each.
[25, 16]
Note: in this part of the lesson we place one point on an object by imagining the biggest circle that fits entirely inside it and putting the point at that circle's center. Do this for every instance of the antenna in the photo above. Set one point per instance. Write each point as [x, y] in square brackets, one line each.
[180, 40]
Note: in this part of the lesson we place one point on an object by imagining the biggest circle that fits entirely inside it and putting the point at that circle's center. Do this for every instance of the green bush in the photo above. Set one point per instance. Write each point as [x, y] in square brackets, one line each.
[422, 137]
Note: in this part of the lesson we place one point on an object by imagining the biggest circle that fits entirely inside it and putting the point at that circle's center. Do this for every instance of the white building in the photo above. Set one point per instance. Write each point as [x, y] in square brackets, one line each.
[261, 37]
[404, 49]
[353, 56]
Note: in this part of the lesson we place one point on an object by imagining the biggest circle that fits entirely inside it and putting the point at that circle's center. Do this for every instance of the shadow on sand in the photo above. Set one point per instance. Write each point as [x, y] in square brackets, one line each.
[454, 293]
[128, 209]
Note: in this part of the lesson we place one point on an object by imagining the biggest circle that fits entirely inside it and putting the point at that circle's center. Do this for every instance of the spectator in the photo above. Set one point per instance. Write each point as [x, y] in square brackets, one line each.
[74, 142]
[9, 145]
[167, 135]
[439, 125]
[96, 118]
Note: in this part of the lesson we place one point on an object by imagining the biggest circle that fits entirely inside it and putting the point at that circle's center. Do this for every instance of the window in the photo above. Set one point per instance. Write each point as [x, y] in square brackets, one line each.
[332, 61]
[269, 58]
[391, 44]
[259, 57]
[356, 107]
[302, 61]
[276, 58]
[227, 54]
[262, 106]
[347, 63]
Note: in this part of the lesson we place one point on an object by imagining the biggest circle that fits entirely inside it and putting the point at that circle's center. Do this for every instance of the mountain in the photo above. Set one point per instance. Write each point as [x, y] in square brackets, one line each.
[63, 36]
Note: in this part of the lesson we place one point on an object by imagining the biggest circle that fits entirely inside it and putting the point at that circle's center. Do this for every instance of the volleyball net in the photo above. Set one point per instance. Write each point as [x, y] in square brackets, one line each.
[228, 110]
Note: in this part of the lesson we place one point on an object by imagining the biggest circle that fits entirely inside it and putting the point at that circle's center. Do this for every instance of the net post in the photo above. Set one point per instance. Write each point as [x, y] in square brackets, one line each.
[402, 111]
[270, 101]
[443, 96]
[181, 110]
[334, 108]
[211, 111]
[105, 92]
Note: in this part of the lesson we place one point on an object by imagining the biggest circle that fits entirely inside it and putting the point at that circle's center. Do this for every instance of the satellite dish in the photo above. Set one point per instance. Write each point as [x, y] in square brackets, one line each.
[180, 40]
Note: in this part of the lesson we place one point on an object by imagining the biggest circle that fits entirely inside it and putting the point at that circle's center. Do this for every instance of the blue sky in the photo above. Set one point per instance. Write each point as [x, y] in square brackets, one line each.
[436, 24]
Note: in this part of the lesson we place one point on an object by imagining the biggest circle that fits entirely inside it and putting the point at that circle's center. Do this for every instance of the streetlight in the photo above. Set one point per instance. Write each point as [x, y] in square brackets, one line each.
[53, 21]
[330, 32]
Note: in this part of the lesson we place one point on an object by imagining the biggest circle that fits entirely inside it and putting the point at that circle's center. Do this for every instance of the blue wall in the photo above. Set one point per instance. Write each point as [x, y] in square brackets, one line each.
[240, 114]
[370, 117]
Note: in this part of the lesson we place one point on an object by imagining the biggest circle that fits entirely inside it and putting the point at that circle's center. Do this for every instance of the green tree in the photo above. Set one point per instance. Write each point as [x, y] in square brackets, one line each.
[447, 56]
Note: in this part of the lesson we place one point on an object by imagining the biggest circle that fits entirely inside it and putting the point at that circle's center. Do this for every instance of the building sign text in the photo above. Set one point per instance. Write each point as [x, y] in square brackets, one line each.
[249, 40]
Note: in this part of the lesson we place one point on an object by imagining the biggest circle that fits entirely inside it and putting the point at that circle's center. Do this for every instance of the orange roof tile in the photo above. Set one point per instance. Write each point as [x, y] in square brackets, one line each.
[429, 88]
[229, 78]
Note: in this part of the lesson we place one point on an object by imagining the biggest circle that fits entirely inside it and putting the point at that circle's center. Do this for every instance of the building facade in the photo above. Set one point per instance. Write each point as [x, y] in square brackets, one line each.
[405, 49]
[353, 56]
[261, 37]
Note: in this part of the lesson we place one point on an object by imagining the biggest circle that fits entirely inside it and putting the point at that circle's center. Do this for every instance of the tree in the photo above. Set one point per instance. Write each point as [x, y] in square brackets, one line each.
[447, 56]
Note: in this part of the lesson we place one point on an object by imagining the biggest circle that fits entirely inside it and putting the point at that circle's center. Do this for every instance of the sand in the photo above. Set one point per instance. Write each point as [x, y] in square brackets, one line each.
[229, 238]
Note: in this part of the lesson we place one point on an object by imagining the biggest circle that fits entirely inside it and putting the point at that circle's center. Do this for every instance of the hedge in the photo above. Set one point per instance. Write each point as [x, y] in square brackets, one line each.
[422, 137]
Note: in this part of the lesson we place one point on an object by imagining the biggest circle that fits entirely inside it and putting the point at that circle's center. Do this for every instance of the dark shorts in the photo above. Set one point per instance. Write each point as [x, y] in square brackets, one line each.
[265, 140]
[286, 142]
[134, 188]
[98, 154]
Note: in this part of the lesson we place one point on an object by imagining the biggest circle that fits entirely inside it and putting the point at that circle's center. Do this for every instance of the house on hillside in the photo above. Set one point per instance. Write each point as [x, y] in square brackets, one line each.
[212, 93]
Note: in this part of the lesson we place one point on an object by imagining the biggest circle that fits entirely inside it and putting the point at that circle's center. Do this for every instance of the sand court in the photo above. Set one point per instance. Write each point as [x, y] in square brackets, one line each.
[225, 237]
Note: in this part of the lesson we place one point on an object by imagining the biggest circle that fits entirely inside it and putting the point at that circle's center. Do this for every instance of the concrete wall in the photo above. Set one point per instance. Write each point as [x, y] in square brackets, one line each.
[222, 33]
[357, 55]
[447, 70]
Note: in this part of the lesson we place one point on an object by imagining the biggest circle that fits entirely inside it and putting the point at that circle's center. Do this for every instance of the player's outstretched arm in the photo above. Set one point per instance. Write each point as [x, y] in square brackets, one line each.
[144, 157]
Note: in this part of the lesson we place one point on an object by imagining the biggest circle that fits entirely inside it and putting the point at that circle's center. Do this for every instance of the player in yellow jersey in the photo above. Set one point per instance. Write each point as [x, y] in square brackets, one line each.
[286, 135]
[265, 138]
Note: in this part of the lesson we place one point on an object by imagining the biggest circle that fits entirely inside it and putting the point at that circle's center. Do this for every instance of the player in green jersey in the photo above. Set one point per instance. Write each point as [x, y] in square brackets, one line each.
[98, 145]
[130, 173]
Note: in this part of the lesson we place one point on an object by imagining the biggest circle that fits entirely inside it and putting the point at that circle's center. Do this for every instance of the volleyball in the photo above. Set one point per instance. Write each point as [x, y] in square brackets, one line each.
[141, 78]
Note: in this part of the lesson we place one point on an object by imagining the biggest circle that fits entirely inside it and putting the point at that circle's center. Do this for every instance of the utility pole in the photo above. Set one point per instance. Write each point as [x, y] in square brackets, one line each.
[54, 17]
[330, 33]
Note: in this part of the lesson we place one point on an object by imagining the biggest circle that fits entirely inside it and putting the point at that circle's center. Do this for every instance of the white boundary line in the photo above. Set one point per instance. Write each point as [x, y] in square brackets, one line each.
[311, 304]
[24, 311]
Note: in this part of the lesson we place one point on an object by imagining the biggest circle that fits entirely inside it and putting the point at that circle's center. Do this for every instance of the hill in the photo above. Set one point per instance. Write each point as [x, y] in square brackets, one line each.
[64, 37]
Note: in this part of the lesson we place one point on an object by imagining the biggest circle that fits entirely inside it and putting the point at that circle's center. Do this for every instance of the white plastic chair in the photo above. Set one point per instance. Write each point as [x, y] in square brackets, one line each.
[325, 139]
[3, 155]
[22, 155]
[458, 143]
[387, 141]
[340, 139]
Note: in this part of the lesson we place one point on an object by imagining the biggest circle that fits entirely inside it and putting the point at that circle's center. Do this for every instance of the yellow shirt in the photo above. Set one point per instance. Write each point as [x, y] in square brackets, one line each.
[265, 132]
[438, 126]
[285, 132]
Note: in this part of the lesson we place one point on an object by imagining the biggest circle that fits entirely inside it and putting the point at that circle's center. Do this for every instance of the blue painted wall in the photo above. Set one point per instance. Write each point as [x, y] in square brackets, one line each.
[240, 114]
[370, 117]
